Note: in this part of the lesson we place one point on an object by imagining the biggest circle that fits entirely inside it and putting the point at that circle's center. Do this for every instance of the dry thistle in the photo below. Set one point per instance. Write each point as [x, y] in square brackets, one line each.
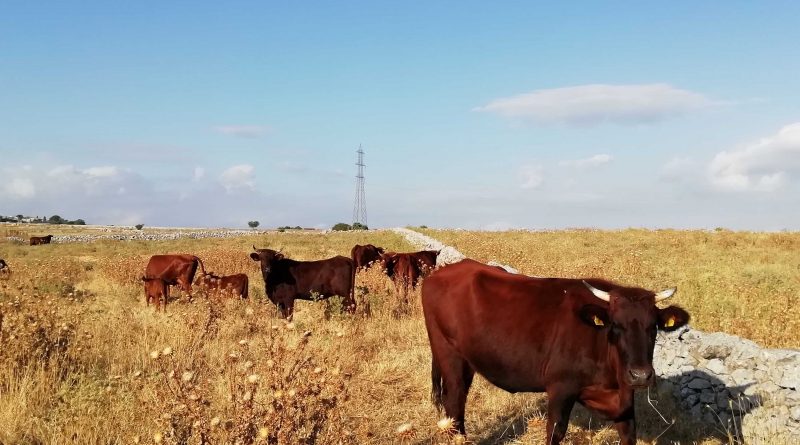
[446, 425]
[405, 431]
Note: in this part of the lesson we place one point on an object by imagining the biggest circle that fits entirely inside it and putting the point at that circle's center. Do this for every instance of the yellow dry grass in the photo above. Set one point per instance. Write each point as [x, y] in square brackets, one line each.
[84, 361]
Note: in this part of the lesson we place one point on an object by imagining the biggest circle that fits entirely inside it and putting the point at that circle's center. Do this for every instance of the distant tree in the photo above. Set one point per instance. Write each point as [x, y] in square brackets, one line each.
[341, 227]
[359, 226]
[79, 222]
[139, 226]
[253, 224]
[19, 218]
[423, 226]
[55, 219]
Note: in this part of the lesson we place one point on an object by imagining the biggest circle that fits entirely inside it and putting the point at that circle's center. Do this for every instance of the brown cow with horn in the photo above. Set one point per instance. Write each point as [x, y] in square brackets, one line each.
[586, 341]
[287, 280]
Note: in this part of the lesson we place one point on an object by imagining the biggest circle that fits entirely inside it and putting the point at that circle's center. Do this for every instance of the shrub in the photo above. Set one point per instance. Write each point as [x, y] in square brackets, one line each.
[253, 224]
[359, 226]
[139, 226]
[342, 227]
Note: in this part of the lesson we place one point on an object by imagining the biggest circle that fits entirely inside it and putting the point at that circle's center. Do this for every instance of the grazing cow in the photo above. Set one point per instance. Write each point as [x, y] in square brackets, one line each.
[156, 289]
[287, 280]
[237, 284]
[403, 269]
[174, 269]
[4, 268]
[588, 341]
[36, 240]
[364, 256]
[426, 259]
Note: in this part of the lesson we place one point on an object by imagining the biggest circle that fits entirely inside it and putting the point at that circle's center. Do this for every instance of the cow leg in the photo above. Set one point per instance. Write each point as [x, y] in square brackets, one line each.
[559, 406]
[287, 309]
[452, 377]
[626, 427]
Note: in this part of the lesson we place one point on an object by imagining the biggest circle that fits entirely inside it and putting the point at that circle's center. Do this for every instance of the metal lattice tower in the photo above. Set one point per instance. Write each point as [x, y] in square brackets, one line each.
[360, 205]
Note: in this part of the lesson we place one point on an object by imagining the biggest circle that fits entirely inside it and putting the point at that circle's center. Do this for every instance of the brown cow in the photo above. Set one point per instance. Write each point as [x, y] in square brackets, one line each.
[426, 259]
[588, 341]
[174, 269]
[5, 270]
[364, 256]
[403, 269]
[36, 240]
[156, 289]
[406, 269]
[287, 280]
[237, 284]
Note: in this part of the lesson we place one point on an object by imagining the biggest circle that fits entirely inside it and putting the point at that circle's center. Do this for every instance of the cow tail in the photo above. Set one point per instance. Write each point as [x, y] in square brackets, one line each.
[353, 283]
[202, 268]
[437, 387]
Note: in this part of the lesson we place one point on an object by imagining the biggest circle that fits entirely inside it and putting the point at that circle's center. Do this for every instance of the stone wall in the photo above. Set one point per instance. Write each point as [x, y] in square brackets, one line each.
[731, 382]
[144, 236]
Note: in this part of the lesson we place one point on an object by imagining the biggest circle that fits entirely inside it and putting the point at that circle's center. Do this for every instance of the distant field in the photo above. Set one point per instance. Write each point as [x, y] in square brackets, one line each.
[742, 283]
[76, 366]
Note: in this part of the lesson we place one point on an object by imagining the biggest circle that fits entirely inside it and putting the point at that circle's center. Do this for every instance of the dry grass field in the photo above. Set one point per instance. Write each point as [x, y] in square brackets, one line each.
[84, 361]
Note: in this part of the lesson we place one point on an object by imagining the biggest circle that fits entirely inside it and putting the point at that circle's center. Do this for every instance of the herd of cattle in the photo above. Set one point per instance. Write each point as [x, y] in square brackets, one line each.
[287, 280]
[587, 341]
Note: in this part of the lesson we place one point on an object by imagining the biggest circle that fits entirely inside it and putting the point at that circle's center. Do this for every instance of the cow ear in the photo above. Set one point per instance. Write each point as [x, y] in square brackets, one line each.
[671, 318]
[595, 316]
[255, 256]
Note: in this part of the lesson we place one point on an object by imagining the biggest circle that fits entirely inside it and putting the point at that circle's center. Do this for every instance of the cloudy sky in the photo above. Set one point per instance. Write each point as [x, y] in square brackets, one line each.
[472, 114]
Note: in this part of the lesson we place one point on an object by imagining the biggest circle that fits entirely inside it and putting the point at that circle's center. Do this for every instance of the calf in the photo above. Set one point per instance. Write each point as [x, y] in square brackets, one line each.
[156, 289]
[237, 284]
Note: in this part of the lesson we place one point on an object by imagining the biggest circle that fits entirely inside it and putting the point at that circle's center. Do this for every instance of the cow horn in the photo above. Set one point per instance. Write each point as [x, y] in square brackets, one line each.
[666, 293]
[601, 294]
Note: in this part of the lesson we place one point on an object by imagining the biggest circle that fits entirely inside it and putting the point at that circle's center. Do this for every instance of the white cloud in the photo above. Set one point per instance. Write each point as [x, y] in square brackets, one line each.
[199, 173]
[599, 103]
[20, 188]
[532, 176]
[591, 161]
[680, 168]
[766, 165]
[238, 177]
[242, 131]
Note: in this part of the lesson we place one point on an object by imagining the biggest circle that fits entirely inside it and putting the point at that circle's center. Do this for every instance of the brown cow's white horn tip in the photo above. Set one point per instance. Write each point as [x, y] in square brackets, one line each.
[666, 293]
[601, 294]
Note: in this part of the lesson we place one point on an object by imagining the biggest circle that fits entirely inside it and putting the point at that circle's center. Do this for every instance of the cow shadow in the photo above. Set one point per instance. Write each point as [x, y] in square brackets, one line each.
[668, 413]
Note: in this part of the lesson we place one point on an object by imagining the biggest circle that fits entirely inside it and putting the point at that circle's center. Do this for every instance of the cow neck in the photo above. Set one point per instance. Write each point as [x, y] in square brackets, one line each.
[278, 270]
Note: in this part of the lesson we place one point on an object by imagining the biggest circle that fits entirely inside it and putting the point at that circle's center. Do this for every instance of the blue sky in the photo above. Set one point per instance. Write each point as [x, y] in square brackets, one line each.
[473, 115]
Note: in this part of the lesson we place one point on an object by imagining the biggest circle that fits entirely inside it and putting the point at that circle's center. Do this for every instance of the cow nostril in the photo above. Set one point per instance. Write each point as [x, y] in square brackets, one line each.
[640, 375]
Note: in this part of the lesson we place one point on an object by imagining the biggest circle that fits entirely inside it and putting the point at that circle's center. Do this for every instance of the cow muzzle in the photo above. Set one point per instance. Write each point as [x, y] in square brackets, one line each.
[640, 377]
